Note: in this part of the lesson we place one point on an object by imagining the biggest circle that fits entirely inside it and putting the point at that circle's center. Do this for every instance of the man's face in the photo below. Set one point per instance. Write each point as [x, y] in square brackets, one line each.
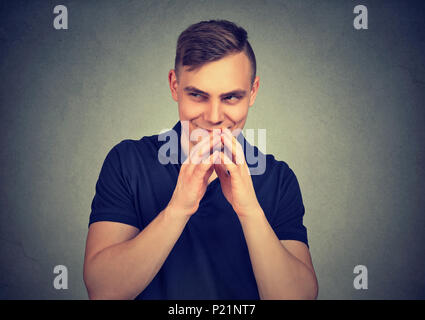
[216, 95]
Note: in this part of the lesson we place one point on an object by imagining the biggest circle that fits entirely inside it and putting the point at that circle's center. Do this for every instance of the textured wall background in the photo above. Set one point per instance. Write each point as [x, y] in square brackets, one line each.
[344, 108]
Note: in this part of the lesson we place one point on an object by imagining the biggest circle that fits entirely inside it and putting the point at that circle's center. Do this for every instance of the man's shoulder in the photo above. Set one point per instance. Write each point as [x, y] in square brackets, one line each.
[273, 166]
[279, 168]
[129, 152]
[276, 163]
[129, 146]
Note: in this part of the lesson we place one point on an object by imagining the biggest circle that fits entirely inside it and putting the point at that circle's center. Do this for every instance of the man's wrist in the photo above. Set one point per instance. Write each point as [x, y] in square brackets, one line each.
[175, 214]
[254, 214]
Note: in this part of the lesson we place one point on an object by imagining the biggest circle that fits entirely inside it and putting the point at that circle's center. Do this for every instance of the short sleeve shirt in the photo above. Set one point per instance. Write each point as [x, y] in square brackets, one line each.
[210, 260]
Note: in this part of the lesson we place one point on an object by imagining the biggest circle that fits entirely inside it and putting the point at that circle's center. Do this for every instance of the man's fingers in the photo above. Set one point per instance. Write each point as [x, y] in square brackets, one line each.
[227, 163]
[221, 172]
[200, 144]
[208, 174]
[203, 167]
[208, 137]
[202, 150]
[200, 154]
[232, 144]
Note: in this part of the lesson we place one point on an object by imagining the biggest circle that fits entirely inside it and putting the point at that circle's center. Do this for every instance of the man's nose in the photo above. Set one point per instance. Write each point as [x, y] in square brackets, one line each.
[214, 114]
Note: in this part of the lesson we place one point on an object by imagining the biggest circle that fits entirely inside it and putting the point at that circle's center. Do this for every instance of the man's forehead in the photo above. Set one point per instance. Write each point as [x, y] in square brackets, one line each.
[229, 73]
[235, 91]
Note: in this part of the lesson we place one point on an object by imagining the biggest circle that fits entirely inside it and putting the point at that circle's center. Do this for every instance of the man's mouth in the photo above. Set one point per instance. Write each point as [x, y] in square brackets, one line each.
[216, 129]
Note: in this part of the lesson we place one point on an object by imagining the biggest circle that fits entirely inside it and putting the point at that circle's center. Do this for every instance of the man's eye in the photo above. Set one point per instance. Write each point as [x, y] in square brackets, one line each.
[196, 95]
[232, 98]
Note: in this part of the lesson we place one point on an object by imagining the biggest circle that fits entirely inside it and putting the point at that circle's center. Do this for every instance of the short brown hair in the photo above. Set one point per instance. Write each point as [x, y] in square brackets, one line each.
[208, 41]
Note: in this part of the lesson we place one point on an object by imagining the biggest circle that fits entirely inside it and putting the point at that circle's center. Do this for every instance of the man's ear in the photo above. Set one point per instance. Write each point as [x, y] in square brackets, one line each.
[254, 91]
[172, 81]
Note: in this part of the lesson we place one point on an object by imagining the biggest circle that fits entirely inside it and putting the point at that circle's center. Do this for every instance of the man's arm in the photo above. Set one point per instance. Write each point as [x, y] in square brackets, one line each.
[125, 268]
[283, 270]
[118, 264]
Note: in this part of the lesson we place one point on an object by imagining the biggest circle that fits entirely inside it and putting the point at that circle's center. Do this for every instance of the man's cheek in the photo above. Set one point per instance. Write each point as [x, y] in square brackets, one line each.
[237, 118]
[239, 111]
[190, 109]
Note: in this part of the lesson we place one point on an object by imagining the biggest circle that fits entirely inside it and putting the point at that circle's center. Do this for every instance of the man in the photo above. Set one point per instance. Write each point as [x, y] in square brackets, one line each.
[202, 228]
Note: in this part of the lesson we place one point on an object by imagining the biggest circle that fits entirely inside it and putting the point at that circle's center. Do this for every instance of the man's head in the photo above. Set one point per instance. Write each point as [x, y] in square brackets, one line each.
[214, 80]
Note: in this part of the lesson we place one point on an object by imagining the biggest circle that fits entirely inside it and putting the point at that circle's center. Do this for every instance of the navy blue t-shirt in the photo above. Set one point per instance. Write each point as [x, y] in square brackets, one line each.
[210, 260]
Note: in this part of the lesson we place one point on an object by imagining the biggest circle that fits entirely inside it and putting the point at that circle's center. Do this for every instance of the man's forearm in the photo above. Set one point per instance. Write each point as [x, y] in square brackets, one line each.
[124, 270]
[278, 273]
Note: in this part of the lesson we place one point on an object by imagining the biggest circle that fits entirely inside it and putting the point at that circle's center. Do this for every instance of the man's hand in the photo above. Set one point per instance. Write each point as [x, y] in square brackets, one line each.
[237, 186]
[193, 177]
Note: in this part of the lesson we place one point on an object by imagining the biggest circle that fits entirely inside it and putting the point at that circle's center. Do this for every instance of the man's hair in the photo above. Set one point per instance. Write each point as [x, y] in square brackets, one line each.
[208, 41]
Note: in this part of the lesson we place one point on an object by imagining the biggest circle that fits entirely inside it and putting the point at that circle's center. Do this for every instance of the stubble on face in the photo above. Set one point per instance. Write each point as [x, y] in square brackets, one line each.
[215, 96]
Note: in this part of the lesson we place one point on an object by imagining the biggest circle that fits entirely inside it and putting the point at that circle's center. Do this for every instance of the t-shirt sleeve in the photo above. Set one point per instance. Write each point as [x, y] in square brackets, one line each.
[288, 220]
[113, 200]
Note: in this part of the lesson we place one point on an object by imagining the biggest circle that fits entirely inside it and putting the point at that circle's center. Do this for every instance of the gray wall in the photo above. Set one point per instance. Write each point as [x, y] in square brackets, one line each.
[344, 108]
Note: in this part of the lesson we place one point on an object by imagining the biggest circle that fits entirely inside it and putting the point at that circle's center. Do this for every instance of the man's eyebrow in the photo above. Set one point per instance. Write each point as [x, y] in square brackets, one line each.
[237, 92]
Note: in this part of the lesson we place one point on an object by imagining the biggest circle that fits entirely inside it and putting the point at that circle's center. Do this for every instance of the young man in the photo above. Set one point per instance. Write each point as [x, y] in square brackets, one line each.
[202, 228]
